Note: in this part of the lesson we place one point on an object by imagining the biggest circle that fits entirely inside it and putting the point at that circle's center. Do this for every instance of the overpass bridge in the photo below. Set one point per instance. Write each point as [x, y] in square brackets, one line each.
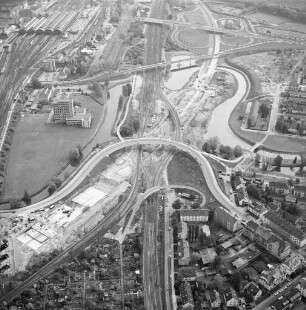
[174, 22]
[210, 29]
[191, 60]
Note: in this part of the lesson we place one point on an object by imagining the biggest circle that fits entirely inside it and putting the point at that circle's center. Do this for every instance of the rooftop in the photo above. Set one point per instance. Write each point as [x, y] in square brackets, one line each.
[280, 185]
[223, 213]
[194, 212]
[277, 219]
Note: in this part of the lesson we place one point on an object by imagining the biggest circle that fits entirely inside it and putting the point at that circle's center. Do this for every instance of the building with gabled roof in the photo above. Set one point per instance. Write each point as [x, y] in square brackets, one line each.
[284, 228]
[279, 188]
[194, 215]
[267, 239]
[183, 252]
[299, 191]
[253, 290]
[182, 230]
[230, 297]
[227, 219]
[256, 208]
[186, 295]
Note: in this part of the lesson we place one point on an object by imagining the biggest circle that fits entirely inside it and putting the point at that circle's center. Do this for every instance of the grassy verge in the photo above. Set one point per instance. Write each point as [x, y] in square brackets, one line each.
[284, 144]
[217, 166]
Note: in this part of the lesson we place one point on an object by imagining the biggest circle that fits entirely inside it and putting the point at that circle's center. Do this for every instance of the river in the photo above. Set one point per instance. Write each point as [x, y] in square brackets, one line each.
[180, 78]
[218, 125]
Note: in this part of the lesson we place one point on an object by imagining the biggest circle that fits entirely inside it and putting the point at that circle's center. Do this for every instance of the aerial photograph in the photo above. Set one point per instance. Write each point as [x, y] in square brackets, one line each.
[152, 154]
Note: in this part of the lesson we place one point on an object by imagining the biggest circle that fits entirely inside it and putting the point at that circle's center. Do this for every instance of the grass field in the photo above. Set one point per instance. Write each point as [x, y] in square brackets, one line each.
[234, 41]
[39, 150]
[285, 144]
[184, 170]
[193, 37]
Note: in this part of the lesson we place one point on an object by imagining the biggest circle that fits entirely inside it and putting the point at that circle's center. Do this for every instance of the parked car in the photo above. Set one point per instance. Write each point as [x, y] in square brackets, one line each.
[3, 257]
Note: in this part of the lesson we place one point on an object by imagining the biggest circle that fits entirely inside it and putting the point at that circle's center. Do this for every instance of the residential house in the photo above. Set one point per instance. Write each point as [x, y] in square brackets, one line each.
[267, 239]
[208, 255]
[279, 188]
[182, 230]
[302, 286]
[245, 259]
[278, 247]
[206, 230]
[186, 295]
[183, 252]
[293, 263]
[253, 290]
[230, 297]
[227, 219]
[194, 215]
[272, 277]
[256, 208]
[188, 273]
[284, 228]
[242, 195]
[214, 298]
[299, 191]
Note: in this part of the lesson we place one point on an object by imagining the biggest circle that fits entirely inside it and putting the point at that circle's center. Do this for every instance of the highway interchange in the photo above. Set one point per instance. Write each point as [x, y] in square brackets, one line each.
[22, 60]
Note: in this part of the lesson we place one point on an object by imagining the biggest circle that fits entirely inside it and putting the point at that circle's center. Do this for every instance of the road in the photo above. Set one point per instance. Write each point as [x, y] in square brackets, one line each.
[89, 166]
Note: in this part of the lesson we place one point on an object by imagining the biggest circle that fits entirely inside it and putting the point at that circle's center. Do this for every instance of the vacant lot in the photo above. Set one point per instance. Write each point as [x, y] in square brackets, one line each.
[285, 144]
[39, 150]
[184, 170]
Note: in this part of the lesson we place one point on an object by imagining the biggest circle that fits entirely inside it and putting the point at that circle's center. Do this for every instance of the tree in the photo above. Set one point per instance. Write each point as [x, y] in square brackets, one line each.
[74, 157]
[136, 125]
[205, 147]
[237, 151]
[257, 160]
[195, 205]
[125, 91]
[106, 82]
[15, 203]
[36, 83]
[120, 102]
[177, 204]
[219, 249]
[129, 89]
[126, 131]
[51, 188]
[235, 279]
[57, 181]
[26, 198]
[264, 110]
[213, 143]
[278, 161]
[253, 191]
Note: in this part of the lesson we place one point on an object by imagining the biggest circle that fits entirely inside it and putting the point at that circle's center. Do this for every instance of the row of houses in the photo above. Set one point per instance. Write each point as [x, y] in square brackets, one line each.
[267, 239]
[284, 228]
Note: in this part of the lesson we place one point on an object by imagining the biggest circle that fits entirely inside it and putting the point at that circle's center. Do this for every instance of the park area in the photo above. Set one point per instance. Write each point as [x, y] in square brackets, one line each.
[40, 150]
